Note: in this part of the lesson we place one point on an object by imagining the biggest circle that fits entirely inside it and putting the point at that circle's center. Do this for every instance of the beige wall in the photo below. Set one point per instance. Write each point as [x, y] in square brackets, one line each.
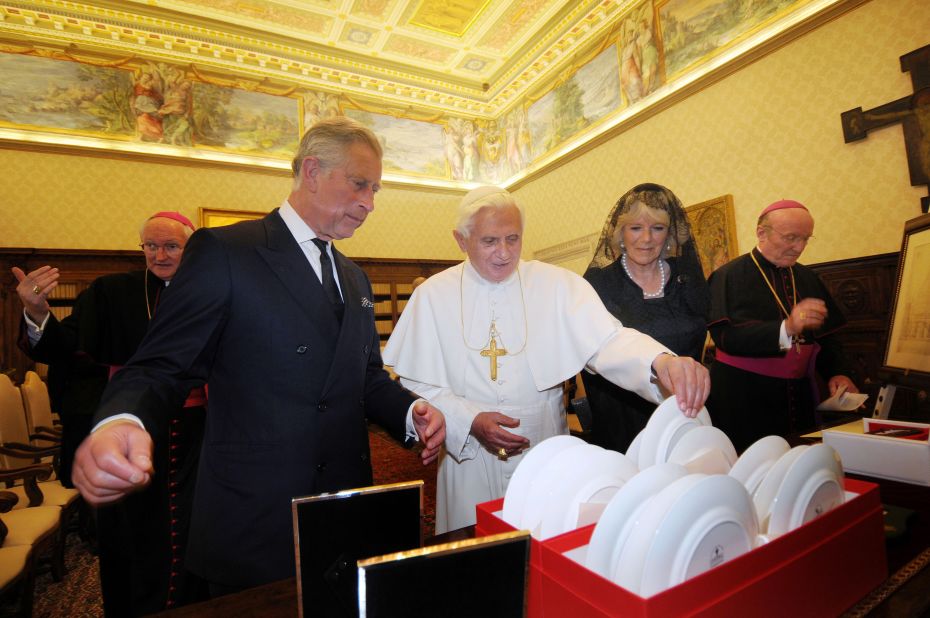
[50, 200]
[769, 131]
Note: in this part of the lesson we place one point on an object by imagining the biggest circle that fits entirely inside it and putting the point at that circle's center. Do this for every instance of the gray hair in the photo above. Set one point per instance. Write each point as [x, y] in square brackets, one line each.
[328, 140]
[483, 197]
[188, 229]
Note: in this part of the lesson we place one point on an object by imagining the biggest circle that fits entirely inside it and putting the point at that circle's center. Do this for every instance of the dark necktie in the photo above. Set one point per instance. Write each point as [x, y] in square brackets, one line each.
[329, 282]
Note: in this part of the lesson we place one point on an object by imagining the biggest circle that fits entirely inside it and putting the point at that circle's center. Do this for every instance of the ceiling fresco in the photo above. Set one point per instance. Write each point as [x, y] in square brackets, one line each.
[460, 91]
[473, 56]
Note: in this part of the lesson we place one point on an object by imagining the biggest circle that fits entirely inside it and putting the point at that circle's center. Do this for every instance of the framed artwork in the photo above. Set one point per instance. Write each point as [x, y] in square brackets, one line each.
[714, 229]
[909, 334]
[215, 217]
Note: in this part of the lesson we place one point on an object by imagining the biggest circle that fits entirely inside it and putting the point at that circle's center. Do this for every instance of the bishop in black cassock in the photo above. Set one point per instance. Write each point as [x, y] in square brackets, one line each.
[142, 539]
[774, 324]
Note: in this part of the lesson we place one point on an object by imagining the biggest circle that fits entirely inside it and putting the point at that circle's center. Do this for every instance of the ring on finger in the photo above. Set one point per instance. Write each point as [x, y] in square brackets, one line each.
[36, 289]
[502, 453]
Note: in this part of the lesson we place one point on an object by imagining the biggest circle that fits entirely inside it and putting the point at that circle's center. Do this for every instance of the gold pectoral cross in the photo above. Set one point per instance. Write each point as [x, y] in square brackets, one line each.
[493, 352]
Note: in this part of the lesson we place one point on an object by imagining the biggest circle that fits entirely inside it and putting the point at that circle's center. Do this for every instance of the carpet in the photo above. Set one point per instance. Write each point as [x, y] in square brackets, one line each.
[78, 594]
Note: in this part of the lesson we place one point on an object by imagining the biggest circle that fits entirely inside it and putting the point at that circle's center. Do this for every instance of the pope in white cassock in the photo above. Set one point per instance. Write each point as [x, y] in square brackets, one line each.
[490, 342]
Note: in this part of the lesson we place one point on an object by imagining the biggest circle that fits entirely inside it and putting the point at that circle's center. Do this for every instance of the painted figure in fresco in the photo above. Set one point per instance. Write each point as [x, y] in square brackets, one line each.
[525, 138]
[491, 147]
[177, 113]
[512, 134]
[470, 151]
[146, 100]
[630, 65]
[453, 150]
[649, 57]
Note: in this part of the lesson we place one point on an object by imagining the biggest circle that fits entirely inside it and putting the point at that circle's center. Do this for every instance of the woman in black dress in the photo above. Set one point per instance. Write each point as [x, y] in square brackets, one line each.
[647, 271]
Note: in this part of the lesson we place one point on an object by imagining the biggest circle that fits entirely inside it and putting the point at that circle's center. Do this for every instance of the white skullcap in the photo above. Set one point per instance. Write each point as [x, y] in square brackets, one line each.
[478, 194]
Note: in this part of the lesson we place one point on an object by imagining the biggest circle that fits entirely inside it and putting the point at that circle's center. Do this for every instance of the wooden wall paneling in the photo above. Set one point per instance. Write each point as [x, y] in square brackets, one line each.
[391, 281]
[864, 289]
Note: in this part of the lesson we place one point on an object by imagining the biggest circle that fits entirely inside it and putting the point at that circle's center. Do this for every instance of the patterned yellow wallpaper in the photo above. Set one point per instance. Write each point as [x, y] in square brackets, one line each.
[89, 202]
[769, 131]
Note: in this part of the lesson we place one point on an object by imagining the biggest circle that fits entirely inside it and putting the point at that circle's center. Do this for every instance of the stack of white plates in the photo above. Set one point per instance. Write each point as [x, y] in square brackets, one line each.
[670, 436]
[801, 485]
[666, 526]
[754, 463]
[556, 481]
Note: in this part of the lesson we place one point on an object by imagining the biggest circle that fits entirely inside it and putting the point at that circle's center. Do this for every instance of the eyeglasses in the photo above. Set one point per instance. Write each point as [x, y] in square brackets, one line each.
[172, 249]
[791, 239]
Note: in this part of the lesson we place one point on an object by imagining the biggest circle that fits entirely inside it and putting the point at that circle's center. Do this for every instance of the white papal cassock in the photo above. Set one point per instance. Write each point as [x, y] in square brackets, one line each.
[436, 349]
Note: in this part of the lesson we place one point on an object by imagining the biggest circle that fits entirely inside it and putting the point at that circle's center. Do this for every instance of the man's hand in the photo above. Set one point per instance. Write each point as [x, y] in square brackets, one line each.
[33, 290]
[430, 426]
[488, 428]
[839, 381]
[808, 314]
[685, 378]
[112, 462]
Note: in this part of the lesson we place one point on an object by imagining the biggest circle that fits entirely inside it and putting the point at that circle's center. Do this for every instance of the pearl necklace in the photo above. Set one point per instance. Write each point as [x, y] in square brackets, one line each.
[657, 293]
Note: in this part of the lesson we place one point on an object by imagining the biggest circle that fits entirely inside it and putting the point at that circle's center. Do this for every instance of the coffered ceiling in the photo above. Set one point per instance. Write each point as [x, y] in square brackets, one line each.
[472, 57]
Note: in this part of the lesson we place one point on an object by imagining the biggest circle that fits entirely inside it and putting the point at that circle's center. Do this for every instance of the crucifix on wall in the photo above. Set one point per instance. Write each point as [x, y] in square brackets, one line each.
[912, 111]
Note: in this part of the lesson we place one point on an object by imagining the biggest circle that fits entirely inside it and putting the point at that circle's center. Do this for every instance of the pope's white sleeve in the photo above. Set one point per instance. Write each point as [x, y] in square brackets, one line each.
[459, 414]
[625, 359]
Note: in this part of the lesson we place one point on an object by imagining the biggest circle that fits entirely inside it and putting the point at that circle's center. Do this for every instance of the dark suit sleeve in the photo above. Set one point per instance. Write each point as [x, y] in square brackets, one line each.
[182, 336]
[386, 401]
[59, 339]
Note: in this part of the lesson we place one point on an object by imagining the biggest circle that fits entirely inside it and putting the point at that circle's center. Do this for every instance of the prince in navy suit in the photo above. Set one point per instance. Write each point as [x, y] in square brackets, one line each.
[294, 370]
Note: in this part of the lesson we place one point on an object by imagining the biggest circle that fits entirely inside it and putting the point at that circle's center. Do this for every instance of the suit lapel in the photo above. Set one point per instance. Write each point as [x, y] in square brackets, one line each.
[287, 261]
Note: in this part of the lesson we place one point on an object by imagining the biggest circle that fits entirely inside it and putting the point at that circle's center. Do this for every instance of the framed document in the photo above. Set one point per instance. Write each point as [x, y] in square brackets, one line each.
[484, 577]
[333, 531]
[908, 351]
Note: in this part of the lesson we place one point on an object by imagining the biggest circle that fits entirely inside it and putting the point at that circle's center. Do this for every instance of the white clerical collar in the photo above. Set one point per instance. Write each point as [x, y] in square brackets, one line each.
[475, 276]
[297, 226]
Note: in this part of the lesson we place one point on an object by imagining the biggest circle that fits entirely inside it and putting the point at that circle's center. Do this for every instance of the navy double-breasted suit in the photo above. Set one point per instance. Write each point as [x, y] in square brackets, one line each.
[290, 390]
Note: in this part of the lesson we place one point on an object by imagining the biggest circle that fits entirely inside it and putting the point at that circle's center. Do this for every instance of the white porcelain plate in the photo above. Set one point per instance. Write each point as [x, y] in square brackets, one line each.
[633, 451]
[533, 460]
[555, 483]
[812, 486]
[628, 568]
[756, 460]
[612, 528]
[770, 484]
[711, 522]
[701, 442]
[666, 425]
[604, 473]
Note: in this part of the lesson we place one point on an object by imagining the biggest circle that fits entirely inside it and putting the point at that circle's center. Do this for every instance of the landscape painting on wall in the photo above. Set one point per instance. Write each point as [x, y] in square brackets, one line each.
[65, 96]
[234, 120]
[147, 103]
[409, 145]
[694, 30]
[585, 97]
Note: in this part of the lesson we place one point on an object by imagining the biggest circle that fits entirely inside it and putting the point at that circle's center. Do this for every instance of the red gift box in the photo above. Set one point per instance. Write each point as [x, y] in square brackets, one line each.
[819, 569]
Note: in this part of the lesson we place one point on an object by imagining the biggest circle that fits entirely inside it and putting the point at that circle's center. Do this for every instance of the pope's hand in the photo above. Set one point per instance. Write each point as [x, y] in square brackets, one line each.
[685, 378]
[488, 428]
[430, 426]
[112, 462]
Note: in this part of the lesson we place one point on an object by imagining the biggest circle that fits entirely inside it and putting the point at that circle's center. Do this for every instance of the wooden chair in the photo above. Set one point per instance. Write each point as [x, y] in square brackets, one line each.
[38, 527]
[17, 568]
[18, 447]
[38, 407]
